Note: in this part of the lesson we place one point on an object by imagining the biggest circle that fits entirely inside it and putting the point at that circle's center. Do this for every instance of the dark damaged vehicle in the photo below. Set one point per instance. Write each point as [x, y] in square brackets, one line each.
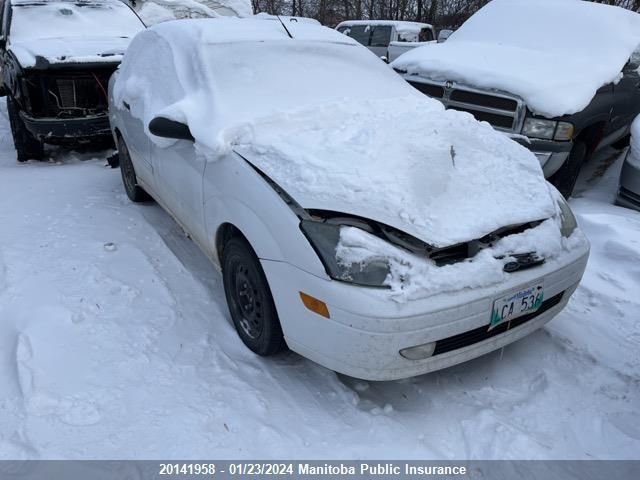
[56, 58]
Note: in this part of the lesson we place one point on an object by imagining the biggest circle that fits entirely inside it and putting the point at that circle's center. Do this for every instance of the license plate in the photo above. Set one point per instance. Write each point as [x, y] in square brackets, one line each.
[517, 304]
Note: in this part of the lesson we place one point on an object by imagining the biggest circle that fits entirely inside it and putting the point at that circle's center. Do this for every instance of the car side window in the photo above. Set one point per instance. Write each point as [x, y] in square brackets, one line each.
[426, 35]
[360, 33]
[381, 36]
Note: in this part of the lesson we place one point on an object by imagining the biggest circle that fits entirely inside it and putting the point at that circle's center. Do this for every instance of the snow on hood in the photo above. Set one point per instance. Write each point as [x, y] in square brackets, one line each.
[68, 31]
[334, 126]
[438, 175]
[58, 50]
[555, 54]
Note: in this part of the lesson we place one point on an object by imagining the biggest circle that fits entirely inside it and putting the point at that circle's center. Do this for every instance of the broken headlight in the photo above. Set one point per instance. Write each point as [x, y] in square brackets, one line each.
[568, 221]
[325, 237]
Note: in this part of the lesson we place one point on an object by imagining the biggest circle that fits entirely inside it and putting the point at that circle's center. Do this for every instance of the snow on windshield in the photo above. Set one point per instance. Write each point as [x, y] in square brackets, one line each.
[234, 71]
[553, 53]
[73, 20]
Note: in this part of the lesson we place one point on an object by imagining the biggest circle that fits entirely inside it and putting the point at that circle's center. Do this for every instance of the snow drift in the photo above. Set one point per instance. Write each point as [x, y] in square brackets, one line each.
[555, 54]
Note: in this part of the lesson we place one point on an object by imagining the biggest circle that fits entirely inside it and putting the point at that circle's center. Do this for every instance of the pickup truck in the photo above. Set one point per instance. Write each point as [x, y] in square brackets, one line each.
[388, 39]
[563, 95]
[55, 76]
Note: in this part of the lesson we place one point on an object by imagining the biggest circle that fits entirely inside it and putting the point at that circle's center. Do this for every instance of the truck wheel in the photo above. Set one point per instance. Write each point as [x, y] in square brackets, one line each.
[565, 178]
[27, 146]
[249, 299]
[135, 192]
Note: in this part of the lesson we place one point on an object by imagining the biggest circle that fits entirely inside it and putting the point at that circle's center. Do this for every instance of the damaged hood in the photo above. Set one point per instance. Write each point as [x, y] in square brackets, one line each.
[35, 53]
[438, 175]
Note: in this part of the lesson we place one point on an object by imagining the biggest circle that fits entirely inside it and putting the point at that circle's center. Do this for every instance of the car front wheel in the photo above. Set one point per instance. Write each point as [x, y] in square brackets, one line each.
[27, 146]
[135, 192]
[566, 177]
[249, 299]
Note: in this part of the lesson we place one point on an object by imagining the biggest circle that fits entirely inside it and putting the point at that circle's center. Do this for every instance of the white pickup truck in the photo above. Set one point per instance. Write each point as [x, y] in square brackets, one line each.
[388, 39]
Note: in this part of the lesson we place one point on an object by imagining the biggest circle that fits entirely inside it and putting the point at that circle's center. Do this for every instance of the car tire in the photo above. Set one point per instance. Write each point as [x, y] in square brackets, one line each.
[129, 179]
[27, 146]
[249, 299]
[565, 178]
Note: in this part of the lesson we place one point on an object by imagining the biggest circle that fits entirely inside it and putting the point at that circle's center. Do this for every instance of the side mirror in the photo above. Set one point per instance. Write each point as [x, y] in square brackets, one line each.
[443, 35]
[165, 128]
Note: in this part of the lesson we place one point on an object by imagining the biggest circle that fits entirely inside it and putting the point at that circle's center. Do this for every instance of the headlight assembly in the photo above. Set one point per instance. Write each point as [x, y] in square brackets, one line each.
[567, 218]
[547, 129]
[324, 237]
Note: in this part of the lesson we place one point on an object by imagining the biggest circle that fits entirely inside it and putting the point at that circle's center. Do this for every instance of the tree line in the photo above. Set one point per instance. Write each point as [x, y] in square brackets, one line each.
[440, 13]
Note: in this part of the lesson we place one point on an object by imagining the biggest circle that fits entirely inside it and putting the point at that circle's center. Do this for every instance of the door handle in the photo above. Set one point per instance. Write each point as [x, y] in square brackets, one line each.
[126, 105]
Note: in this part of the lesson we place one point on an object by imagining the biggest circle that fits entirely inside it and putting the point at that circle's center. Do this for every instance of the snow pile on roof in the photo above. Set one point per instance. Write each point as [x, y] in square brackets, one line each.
[365, 142]
[286, 18]
[400, 26]
[156, 11]
[553, 53]
[72, 31]
[152, 13]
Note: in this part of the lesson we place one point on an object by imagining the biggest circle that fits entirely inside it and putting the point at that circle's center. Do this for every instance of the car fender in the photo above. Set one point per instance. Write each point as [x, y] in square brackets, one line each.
[236, 194]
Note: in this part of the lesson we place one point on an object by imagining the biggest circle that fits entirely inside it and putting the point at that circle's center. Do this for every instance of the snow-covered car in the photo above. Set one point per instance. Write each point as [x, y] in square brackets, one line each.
[156, 11]
[354, 219]
[388, 39]
[56, 58]
[554, 74]
[629, 188]
[286, 18]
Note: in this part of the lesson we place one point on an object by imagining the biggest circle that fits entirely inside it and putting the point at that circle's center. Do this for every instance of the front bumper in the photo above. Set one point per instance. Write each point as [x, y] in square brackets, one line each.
[629, 189]
[67, 130]
[367, 329]
[550, 154]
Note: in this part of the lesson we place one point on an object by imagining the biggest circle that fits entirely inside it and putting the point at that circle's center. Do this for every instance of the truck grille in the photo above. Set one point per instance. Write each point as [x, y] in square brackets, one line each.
[502, 111]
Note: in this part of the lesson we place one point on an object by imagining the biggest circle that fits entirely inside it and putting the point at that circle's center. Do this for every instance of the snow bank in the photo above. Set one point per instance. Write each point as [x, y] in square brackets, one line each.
[65, 30]
[302, 111]
[553, 53]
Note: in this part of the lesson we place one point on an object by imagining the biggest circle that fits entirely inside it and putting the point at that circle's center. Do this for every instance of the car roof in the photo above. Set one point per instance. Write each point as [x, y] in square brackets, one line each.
[399, 24]
[235, 30]
[20, 3]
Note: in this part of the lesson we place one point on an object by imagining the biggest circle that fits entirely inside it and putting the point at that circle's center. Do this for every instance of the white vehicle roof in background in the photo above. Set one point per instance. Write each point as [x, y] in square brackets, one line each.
[555, 54]
[156, 11]
[401, 26]
[287, 18]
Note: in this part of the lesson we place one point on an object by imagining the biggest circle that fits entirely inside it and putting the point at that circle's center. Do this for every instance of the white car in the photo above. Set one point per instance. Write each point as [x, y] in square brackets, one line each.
[355, 220]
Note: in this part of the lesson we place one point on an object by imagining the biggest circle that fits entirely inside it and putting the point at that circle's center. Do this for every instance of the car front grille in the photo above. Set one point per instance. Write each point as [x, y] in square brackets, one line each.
[503, 111]
[483, 333]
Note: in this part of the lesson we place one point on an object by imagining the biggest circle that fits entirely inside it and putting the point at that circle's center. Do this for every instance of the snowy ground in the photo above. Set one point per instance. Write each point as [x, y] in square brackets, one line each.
[127, 351]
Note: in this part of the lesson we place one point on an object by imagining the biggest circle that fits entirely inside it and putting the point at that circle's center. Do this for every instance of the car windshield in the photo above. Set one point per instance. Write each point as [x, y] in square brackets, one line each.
[259, 79]
[72, 20]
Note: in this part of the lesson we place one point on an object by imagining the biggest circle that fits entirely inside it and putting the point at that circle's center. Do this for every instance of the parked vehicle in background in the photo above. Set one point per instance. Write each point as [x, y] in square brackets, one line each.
[286, 18]
[354, 219]
[56, 58]
[387, 38]
[156, 11]
[563, 93]
[629, 188]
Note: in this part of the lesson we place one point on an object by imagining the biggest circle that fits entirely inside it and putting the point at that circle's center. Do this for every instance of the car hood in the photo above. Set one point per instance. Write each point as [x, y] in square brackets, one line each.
[62, 50]
[438, 175]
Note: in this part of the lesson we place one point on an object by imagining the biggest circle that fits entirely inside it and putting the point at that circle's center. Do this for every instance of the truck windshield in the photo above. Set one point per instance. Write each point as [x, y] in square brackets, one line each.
[65, 19]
